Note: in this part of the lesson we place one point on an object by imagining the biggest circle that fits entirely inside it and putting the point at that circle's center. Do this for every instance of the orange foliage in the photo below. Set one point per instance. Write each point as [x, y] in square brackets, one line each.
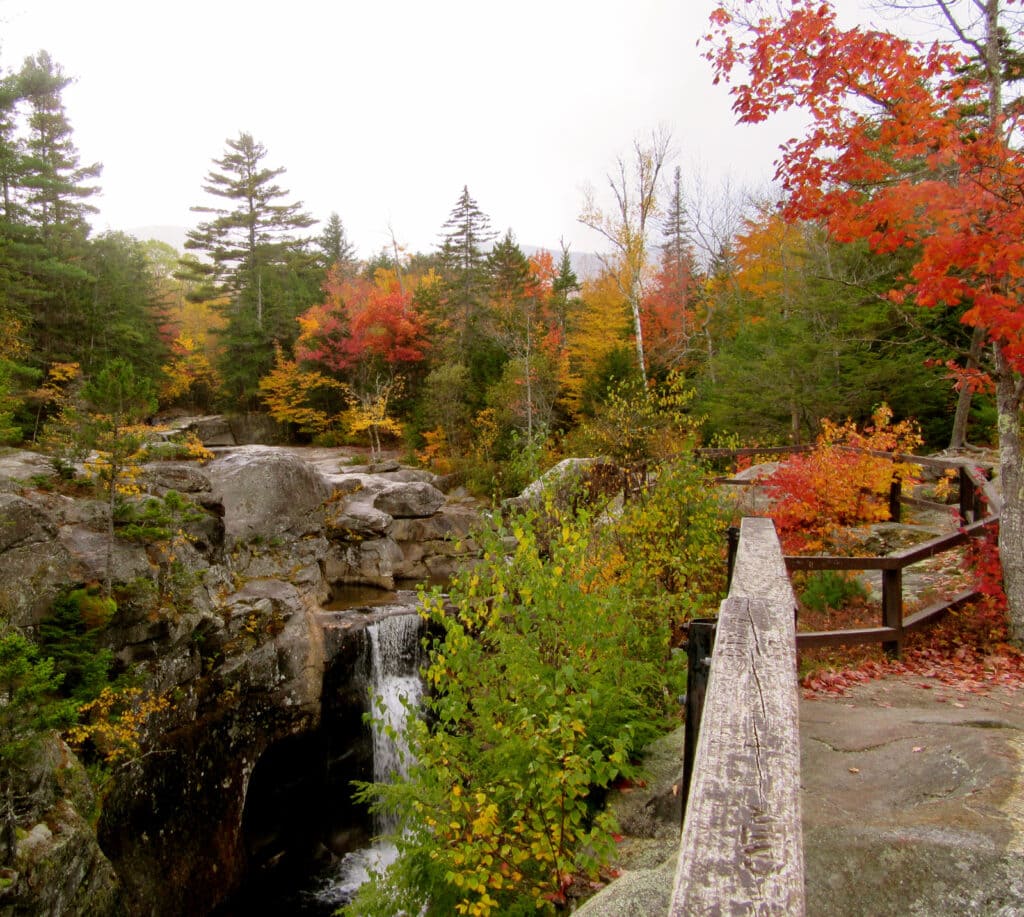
[840, 483]
[896, 126]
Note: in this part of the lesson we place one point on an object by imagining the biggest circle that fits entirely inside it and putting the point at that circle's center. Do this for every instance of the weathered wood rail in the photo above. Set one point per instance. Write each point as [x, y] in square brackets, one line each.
[741, 850]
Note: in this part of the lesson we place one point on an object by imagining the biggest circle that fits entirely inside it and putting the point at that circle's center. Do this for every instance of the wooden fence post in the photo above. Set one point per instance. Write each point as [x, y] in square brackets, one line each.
[732, 535]
[895, 489]
[967, 497]
[700, 645]
[892, 608]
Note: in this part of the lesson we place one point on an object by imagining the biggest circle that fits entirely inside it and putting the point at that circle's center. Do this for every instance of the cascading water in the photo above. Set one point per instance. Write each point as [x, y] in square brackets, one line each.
[395, 690]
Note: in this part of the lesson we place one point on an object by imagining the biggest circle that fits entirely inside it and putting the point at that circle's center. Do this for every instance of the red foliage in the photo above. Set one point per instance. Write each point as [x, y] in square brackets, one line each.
[360, 321]
[896, 129]
[839, 483]
[966, 651]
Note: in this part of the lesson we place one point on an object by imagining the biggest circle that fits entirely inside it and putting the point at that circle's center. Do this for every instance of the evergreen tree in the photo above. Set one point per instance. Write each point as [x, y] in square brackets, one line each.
[467, 236]
[46, 209]
[565, 290]
[56, 185]
[335, 247]
[256, 259]
[508, 269]
[121, 307]
[118, 400]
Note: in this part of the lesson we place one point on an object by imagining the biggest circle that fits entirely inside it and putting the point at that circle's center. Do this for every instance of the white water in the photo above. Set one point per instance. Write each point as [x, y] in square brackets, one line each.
[395, 690]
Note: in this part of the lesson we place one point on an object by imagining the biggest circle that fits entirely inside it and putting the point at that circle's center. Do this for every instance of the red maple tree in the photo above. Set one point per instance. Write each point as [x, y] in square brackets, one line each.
[909, 146]
[361, 326]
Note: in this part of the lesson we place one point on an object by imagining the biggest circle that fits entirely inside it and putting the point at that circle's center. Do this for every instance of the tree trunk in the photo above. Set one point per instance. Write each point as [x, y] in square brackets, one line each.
[638, 331]
[1009, 392]
[958, 438]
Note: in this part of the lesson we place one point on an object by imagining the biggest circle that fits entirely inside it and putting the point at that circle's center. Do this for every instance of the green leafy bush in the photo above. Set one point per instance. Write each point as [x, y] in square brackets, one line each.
[545, 684]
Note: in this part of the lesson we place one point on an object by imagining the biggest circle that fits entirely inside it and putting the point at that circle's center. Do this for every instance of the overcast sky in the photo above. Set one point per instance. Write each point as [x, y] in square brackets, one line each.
[382, 110]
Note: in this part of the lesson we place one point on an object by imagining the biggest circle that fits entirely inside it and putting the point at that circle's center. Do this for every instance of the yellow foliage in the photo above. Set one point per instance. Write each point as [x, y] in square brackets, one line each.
[604, 328]
[115, 722]
[436, 454]
[188, 369]
[287, 391]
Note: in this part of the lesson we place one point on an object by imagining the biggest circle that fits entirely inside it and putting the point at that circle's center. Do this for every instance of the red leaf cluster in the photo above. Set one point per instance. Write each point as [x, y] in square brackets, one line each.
[361, 320]
[967, 652]
[905, 150]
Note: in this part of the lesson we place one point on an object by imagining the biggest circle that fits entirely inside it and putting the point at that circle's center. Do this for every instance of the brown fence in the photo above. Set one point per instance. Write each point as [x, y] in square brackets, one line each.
[979, 506]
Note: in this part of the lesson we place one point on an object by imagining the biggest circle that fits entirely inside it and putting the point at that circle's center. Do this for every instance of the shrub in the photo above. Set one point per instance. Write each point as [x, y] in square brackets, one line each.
[840, 483]
[829, 589]
[545, 684]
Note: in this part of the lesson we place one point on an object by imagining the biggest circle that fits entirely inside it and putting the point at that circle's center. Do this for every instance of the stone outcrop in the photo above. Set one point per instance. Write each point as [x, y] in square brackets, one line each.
[57, 865]
[266, 492]
[225, 622]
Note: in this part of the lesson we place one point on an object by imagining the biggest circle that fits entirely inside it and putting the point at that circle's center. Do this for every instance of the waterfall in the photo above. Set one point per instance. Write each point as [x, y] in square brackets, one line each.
[395, 689]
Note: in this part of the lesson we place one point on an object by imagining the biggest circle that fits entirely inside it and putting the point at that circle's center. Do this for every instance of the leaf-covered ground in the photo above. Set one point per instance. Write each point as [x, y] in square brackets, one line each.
[967, 651]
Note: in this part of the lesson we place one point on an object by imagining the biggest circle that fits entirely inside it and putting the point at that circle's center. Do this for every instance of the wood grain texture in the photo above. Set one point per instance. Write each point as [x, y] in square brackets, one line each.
[742, 846]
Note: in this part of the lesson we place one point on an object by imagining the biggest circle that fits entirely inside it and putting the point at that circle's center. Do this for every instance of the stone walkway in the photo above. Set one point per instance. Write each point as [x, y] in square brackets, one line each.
[913, 804]
[913, 801]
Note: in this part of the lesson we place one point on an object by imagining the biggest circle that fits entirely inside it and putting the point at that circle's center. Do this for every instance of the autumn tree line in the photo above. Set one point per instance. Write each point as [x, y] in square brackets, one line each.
[475, 353]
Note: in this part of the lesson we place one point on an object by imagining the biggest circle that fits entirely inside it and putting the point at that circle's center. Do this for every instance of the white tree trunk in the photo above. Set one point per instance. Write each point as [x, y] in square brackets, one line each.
[1009, 392]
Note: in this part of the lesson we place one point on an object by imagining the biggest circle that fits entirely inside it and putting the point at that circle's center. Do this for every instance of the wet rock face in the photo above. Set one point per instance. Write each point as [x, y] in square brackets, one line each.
[243, 650]
[173, 826]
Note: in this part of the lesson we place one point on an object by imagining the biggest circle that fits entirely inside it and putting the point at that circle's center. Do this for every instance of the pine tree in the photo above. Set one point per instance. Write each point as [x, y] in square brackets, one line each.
[256, 259]
[335, 247]
[46, 209]
[565, 290]
[467, 236]
[56, 185]
[121, 307]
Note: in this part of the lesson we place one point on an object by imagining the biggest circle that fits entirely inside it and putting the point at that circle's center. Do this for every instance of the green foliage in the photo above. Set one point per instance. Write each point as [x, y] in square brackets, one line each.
[638, 422]
[28, 685]
[545, 684]
[71, 636]
[668, 548]
[830, 589]
[155, 518]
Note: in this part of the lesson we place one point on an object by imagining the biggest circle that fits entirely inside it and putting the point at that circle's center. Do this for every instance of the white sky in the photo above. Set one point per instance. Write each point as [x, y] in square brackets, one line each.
[382, 110]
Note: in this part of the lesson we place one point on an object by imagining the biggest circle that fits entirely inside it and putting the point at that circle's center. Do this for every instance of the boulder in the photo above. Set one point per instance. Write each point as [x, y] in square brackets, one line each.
[561, 480]
[409, 501]
[372, 562]
[383, 467]
[356, 520]
[18, 466]
[266, 492]
[184, 477]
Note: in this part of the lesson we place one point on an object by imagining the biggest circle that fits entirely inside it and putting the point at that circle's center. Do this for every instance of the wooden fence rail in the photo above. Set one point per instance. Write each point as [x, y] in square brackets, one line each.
[979, 506]
[741, 850]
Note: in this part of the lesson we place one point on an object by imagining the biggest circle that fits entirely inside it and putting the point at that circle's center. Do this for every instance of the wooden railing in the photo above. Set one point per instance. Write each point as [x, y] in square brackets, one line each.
[741, 850]
[979, 506]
